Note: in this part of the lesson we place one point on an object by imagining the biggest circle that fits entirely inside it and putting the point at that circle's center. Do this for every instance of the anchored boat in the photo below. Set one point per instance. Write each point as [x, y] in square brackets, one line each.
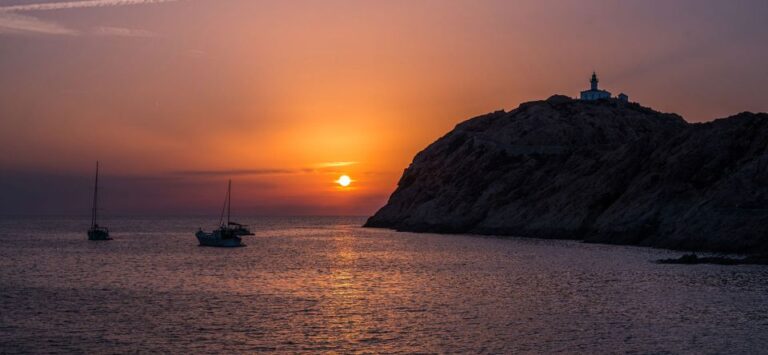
[228, 234]
[97, 232]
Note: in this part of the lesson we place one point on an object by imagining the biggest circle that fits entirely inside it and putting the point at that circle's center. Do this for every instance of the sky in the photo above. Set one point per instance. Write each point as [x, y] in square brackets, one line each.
[283, 97]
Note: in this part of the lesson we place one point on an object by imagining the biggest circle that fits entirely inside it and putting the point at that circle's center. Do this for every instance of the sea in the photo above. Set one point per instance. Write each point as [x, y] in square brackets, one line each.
[326, 285]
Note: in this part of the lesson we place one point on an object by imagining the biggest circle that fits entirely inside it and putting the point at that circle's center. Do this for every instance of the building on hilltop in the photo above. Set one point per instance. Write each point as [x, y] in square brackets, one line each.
[594, 93]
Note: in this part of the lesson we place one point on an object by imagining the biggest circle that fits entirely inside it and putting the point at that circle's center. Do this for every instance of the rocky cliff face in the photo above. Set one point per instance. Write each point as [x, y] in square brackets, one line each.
[601, 171]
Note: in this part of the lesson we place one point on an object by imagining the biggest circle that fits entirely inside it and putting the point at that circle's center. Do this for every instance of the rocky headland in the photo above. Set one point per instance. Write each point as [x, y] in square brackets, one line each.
[600, 171]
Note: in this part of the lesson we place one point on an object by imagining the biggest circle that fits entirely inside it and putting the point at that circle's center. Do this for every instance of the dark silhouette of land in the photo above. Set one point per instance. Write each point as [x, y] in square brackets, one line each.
[601, 171]
[692, 259]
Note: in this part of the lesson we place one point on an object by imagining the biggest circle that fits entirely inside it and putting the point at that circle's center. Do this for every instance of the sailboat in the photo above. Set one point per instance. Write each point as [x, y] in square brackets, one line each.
[97, 232]
[228, 234]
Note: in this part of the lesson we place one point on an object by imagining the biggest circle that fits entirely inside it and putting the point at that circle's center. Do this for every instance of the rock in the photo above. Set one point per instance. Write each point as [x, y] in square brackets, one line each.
[601, 171]
[693, 259]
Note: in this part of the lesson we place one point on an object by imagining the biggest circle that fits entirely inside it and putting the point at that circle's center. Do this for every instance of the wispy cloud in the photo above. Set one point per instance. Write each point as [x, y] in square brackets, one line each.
[122, 32]
[327, 167]
[235, 172]
[335, 164]
[47, 6]
[13, 22]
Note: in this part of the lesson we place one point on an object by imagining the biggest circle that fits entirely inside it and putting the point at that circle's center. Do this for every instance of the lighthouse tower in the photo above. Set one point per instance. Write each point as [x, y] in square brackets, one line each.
[594, 93]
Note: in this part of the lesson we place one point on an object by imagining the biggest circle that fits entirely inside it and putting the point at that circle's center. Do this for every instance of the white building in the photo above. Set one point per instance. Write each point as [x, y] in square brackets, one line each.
[594, 93]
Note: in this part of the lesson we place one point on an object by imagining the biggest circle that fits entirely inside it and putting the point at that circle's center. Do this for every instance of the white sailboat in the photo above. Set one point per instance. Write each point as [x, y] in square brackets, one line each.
[228, 234]
[97, 232]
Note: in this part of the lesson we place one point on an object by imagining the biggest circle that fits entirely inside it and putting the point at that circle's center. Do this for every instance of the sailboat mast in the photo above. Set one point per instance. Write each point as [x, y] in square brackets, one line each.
[229, 200]
[95, 196]
[226, 205]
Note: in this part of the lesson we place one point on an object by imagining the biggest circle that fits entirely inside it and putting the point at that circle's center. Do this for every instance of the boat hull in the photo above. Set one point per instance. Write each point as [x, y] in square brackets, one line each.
[98, 234]
[215, 240]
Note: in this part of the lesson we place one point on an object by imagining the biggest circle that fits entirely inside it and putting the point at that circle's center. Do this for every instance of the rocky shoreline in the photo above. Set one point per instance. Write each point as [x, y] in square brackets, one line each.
[603, 171]
[693, 259]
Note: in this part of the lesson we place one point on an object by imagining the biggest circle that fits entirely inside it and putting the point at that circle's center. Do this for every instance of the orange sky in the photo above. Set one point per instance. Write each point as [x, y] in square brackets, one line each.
[181, 95]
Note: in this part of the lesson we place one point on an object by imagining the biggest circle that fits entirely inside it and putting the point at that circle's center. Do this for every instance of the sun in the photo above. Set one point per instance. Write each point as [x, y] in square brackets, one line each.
[344, 180]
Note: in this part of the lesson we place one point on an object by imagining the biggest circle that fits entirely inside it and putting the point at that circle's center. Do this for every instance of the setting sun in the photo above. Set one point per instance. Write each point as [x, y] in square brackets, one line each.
[344, 180]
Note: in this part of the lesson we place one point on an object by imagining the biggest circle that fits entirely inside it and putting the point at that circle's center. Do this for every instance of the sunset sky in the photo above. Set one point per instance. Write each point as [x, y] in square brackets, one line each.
[175, 97]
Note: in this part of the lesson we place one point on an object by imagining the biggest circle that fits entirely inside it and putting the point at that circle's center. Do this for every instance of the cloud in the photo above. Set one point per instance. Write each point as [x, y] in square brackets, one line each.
[235, 172]
[335, 164]
[122, 32]
[47, 6]
[12, 22]
[327, 167]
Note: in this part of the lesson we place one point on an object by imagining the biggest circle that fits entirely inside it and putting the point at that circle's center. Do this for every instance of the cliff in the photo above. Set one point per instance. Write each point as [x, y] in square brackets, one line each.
[602, 171]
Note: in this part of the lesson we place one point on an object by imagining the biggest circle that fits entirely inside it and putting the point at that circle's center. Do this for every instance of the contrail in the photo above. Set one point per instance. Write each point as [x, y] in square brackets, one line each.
[12, 22]
[76, 5]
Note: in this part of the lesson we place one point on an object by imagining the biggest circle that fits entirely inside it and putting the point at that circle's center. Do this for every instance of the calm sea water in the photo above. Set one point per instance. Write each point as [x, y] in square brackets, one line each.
[326, 285]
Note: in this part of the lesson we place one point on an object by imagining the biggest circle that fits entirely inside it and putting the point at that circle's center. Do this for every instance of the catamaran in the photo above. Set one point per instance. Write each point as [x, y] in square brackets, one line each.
[228, 234]
[97, 232]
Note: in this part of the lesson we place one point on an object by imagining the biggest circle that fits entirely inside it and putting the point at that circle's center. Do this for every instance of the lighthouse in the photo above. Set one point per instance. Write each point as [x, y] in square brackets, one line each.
[594, 93]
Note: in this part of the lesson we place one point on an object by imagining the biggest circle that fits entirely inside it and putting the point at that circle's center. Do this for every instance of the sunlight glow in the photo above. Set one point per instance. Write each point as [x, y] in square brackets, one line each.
[344, 180]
